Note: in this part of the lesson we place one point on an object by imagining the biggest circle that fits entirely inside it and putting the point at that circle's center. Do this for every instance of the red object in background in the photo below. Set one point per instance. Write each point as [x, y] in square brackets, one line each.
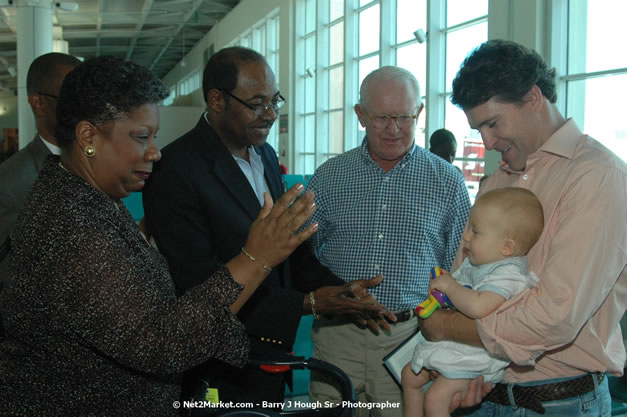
[283, 168]
[473, 171]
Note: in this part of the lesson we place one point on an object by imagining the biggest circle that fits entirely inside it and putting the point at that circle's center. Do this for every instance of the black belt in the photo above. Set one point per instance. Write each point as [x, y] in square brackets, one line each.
[404, 315]
[531, 397]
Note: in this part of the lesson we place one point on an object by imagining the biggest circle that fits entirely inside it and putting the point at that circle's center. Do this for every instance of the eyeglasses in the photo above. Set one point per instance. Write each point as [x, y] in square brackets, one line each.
[403, 121]
[261, 109]
[47, 95]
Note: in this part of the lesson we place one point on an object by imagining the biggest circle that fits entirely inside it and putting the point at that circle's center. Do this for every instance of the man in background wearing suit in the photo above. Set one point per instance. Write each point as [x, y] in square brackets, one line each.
[17, 174]
[200, 202]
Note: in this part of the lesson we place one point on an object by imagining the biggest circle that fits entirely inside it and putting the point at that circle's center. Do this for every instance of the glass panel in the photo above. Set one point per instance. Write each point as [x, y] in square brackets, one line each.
[272, 62]
[459, 11]
[369, 27]
[336, 88]
[262, 40]
[310, 16]
[273, 137]
[459, 44]
[336, 9]
[604, 114]
[310, 165]
[336, 132]
[457, 123]
[414, 59]
[469, 145]
[310, 82]
[310, 134]
[310, 95]
[336, 35]
[597, 23]
[410, 16]
[310, 54]
[364, 2]
[272, 35]
[366, 66]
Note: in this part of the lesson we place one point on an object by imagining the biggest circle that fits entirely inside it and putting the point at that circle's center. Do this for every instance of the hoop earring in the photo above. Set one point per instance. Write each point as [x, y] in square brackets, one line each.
[89, 151]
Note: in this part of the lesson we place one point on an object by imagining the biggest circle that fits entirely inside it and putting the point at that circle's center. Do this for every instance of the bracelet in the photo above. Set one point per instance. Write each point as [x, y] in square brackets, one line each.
[252, 258]
[312, 300]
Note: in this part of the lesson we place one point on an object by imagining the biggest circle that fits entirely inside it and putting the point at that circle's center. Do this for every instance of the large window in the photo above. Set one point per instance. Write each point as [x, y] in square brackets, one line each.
[596, 78]
[466, 28]
[338, 42]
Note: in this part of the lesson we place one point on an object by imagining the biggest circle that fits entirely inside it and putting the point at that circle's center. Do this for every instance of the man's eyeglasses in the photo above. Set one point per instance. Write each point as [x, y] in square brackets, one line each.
[47, 95]
[261, 109]
[403, 121]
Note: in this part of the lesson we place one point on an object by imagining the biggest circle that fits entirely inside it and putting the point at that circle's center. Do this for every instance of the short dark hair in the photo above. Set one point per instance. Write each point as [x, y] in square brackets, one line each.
[101, 90]
[504, 70]
[46, 67]
[222, 70]
[441, 138]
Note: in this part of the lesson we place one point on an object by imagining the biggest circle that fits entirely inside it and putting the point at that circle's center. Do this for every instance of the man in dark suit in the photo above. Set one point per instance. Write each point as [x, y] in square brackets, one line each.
[17, 174]
[200, 202]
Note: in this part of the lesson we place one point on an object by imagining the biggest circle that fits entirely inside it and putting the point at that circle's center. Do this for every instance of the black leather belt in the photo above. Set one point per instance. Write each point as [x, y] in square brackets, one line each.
[404, 315]
[531, 397]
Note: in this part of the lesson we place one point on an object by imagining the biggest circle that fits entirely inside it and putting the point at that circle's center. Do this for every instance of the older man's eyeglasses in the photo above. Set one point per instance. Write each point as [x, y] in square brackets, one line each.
[403, 121]
[261, 109]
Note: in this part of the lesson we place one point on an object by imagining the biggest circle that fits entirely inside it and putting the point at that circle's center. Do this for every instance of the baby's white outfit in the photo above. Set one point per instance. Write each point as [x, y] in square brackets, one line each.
[507, 278]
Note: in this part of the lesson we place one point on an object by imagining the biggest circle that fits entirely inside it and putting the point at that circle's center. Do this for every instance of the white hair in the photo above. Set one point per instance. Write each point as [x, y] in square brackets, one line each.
[387, 74]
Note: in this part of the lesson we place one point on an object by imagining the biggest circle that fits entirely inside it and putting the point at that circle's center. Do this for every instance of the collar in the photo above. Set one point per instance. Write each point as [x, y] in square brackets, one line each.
[562, 143]
[252, 154]
[54, 149]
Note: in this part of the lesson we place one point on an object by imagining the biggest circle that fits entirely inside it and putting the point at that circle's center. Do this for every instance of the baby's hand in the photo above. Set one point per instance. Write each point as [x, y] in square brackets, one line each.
[441, 283]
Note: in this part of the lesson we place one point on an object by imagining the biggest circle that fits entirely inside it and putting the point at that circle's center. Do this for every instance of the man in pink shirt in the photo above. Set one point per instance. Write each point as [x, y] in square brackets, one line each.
[562, 336]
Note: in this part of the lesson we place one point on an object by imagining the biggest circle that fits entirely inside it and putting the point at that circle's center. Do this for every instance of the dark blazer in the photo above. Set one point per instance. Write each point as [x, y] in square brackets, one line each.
[17, 175]
[199, 207]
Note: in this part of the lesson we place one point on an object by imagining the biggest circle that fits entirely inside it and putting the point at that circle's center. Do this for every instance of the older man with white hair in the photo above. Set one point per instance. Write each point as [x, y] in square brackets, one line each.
[386, 207]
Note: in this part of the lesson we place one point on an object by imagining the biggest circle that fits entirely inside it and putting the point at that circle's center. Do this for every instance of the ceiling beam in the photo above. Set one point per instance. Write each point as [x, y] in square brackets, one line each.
[140, 25]
[195, 5]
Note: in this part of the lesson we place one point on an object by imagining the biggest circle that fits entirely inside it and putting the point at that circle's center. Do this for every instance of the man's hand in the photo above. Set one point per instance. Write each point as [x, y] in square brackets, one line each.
[477, 391]
[354, 300]
[359, 290]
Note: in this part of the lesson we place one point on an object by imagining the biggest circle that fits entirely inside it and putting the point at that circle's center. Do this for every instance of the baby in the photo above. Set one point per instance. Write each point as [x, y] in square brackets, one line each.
[504, 224]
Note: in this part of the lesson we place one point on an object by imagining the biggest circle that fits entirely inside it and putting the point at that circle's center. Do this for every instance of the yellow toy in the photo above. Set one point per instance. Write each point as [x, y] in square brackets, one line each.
[436, 299]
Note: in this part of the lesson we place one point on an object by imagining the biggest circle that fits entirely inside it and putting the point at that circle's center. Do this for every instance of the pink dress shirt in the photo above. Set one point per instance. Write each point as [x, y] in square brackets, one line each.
[569, 323]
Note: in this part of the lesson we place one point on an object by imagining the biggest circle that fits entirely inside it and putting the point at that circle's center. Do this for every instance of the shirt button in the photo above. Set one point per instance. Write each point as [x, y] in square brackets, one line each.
[525, 177]
[384, 206]
[380, 235]
[376, 267]
[386, 179]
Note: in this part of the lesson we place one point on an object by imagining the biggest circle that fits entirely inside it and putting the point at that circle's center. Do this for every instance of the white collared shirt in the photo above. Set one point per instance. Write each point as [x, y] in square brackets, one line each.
[54, 149]
[253, 171]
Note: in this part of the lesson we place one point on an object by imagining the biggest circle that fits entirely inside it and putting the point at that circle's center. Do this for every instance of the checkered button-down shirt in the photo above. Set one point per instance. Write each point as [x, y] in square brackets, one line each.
[399, 224]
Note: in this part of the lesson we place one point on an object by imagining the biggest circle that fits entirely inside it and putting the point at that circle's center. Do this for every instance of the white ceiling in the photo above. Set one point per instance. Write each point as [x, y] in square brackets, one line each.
[153, 33]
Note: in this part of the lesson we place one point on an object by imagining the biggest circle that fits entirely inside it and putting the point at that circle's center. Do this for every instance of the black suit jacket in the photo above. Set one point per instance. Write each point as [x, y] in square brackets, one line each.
[199, 207]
